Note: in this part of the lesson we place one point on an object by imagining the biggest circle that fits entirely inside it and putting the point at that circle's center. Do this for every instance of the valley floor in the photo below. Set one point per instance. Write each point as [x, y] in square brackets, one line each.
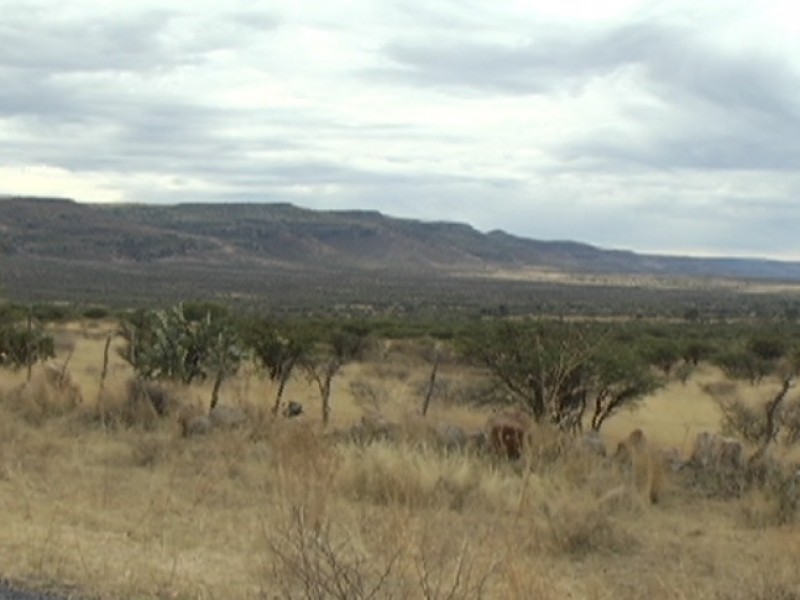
[279, 509]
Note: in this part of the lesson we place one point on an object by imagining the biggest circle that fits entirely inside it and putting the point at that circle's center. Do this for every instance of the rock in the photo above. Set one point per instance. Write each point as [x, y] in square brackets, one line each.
[293, 409]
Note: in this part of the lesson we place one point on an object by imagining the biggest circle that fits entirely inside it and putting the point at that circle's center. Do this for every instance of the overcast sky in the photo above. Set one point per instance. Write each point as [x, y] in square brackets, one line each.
[654, 126]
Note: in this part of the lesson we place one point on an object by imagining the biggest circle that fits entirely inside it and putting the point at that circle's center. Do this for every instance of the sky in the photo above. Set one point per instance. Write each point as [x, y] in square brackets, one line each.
[661, 126]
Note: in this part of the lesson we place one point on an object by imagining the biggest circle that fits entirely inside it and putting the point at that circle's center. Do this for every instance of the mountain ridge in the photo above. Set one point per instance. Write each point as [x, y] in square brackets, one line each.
[292, 237]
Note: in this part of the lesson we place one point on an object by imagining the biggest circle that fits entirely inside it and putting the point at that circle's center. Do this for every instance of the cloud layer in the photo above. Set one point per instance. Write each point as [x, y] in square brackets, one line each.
[674, 129]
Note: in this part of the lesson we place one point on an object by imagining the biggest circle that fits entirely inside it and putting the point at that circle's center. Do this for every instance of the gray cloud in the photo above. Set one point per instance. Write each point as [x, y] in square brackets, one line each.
[547, 60]
[85, 45]
[716, 110]
[644, 133]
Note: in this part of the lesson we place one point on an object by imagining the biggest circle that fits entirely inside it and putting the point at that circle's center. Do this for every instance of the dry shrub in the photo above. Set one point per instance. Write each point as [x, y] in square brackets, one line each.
[446, 390]
[157, 395]
[140, 404]
[306, 465]
[582, 527]
[547, 449]
[773, 496]
[411, 430]
[368, 396]
[320, 562]
[714, 481]
[49, 394]
[742, 420]
[790, 419]
[262, 422]
[484, 393]
[748, 421]
[388, 371]
[414, 477]
[150, 449]
[551, 452]
[447, 570]
[385, 559]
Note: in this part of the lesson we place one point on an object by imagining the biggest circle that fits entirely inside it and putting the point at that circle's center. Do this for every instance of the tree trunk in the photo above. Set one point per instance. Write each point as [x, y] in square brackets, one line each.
[101, 407]
[279, 395]
[215, 391]
[772, 409]
[429, 393]
[325, 394]
[28, 349]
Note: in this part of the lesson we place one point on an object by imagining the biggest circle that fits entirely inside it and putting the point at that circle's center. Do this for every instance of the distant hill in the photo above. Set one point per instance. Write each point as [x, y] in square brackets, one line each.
[54, 236]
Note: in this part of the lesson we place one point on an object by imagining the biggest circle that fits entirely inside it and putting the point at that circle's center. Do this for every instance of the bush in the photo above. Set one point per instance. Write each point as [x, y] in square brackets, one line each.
[96, 312]
[579, 531]
[774, 495]
[49, 394]
[317, 560]
[741, 420]
[310, 564]
[141, 404]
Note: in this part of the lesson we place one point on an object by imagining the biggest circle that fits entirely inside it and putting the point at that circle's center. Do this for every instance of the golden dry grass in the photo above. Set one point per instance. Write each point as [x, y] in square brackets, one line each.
[276, 509]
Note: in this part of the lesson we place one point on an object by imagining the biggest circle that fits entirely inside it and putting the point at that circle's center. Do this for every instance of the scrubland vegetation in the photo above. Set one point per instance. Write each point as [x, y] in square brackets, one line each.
[149, 456]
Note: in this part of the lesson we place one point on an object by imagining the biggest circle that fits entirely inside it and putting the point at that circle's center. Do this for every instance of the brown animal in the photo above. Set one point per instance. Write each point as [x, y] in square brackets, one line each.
[507, 434]
[641, 469]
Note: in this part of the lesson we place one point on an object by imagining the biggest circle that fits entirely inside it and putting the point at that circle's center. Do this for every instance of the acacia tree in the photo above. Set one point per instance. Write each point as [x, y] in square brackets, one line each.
[223, 352]
[325, 359]
[620, 377]
[775, 418]
[432, 353]
[759, 356]
[556, 370]
[276, 351]
[23, 344]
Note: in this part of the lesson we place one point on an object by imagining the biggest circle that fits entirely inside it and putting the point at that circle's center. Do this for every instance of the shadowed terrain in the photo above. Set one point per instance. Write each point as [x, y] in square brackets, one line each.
[281, 255]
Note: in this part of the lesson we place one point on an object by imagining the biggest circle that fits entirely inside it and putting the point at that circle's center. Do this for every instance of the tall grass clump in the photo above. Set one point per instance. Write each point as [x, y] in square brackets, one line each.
[773, 495]
[385, 473]
[49, 394]
[137, 404]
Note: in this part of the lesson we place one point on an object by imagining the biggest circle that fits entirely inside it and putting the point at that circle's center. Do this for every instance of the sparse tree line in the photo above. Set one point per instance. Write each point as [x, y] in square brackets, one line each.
[189, 343]
[567, 374]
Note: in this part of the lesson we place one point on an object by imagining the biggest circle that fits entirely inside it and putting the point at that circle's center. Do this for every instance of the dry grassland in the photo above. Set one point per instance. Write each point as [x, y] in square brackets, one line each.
[276, 509]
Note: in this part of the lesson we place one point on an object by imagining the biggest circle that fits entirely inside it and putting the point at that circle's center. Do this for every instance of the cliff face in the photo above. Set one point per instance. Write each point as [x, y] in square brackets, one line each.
[283, 234]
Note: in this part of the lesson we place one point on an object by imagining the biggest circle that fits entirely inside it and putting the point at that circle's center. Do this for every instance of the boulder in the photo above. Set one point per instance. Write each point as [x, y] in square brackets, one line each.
[293, 409]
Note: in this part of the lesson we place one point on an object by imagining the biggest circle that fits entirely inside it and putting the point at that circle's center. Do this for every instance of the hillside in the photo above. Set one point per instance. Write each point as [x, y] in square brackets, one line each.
[61, 249]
